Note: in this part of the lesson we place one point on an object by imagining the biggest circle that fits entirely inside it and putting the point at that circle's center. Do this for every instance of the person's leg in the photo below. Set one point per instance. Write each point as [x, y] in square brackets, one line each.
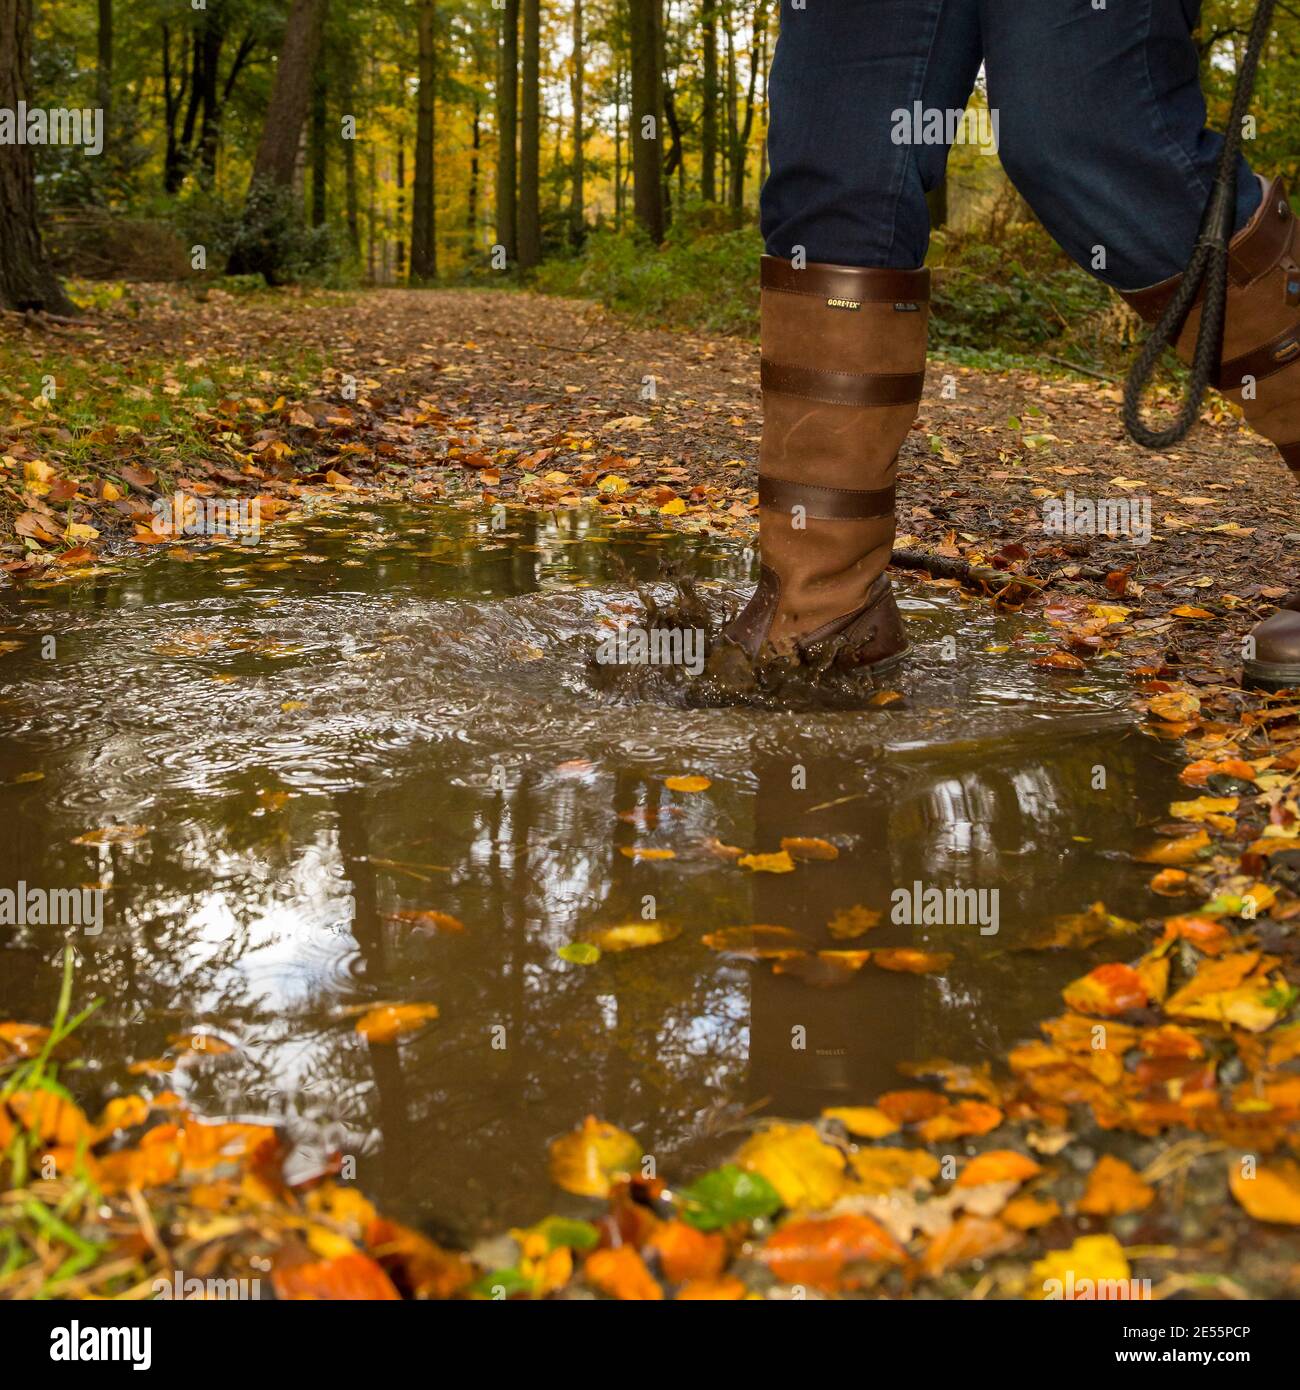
[844, 309]
[1102, 129]
[841, 185]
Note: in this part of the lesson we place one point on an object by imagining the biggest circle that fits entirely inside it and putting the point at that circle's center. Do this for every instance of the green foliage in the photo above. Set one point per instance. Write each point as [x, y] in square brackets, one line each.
[699, 278]
[272, 240]
[727, 1195]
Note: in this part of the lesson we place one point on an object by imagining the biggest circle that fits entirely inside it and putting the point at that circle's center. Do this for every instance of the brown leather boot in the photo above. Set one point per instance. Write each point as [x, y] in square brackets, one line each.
[843, 368]
[1261, 372]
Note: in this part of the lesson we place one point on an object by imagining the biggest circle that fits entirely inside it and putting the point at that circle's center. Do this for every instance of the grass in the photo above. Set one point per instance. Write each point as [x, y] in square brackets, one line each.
[40, 1226]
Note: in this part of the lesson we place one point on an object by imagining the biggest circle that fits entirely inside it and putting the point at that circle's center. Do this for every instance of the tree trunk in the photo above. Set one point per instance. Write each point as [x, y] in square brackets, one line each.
[350, 154]
[646, 118]
[27, 281]
[319, 116]
[709, 105]
[618, 145]
[476, 145]
[507, 215]
[530, 139]
[577, 200]
[741, 133]
[104, 61]
[277, 151]
[260, 246]
[424, 253]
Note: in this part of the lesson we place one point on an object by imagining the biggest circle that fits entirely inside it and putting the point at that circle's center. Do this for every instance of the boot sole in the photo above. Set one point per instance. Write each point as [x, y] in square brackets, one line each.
[1270, 675]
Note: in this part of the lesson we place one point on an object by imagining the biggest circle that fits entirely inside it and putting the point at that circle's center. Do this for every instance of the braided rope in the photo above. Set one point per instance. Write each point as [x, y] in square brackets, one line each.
[1208, 267]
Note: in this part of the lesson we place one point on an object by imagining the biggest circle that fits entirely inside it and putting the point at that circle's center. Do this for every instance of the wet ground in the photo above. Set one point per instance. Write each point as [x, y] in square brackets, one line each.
[375, 711]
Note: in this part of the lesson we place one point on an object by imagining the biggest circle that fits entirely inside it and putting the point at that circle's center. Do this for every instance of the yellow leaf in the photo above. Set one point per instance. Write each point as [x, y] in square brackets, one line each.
[632, 936]
[687, 784]
[1094, 1267]
[807, 1172]
[777, 863]
[586, 1160]
[389, 1022]
[800, 848]
[862, 1121]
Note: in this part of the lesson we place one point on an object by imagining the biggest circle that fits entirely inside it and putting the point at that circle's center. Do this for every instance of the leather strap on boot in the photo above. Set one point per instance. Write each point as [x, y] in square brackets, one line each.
[843, 368]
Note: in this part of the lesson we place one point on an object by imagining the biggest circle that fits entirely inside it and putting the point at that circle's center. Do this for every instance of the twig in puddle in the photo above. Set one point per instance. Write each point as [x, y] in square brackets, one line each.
[950, 567]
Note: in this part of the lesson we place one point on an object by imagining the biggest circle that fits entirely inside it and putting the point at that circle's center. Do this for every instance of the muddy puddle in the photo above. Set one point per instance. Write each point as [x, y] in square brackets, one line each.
[379, 710]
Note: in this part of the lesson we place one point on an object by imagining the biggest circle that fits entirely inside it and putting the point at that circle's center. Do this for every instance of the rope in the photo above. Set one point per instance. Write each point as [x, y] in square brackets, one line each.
[1208, 267]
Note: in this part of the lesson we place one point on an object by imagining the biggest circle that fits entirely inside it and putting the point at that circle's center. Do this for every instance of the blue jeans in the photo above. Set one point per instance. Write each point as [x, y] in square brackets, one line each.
[1100, 125]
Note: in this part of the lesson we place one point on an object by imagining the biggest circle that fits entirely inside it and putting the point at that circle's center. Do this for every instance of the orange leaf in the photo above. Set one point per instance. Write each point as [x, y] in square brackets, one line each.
[1107, 990]
[622, 1274]
[354, 1277]
[686, 1254]
[1114, 1188]
[997, 1165]
[390, 1021]
[822, 1253]
[968, 1238]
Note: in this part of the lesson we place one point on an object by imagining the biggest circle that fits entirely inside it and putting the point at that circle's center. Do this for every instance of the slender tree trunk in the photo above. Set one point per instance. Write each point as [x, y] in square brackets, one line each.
[618, 145]
[476, 146]
[27, 280]
[277, 152]
[530, 139]
[709, 105]
[319, 116]
[577, 208]
[350, 154]
[424, 253]
[399, 250]
[507, 214]
[646, 119]
[104, 60]
[745, 129]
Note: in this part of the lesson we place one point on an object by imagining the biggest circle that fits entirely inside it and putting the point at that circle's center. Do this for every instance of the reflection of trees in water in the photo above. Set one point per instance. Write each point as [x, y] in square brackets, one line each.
[1028, 824]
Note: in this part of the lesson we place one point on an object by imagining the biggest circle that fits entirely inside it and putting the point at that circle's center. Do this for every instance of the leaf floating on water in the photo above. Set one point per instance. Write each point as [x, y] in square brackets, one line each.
[806, 1171]
[799, 847]
[688, 784]
[863, 1121]
[715, 847]
[827, 1253]
[850, 922]
[823, 969]
[113, 835]
[199, 1041]
[632, 936]
[1171, 883]
[389, 1022]
[755, 943]
[727, 1195]
[622, 1274]
[639, 852]
[1082, 929]
[21, 1039]
[579, 953]
[587, 1160]
[687, 1252]
[1180, 851]
[1108, 990]
[910, 962]
[777, 863]
[427, 919]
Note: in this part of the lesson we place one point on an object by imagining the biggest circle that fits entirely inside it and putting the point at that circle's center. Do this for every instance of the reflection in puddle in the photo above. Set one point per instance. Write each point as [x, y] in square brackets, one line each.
[391, 709]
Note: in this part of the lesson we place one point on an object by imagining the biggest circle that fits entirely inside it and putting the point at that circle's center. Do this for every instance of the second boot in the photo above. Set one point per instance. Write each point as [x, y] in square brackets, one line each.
[1261, 373]
[843, 366]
